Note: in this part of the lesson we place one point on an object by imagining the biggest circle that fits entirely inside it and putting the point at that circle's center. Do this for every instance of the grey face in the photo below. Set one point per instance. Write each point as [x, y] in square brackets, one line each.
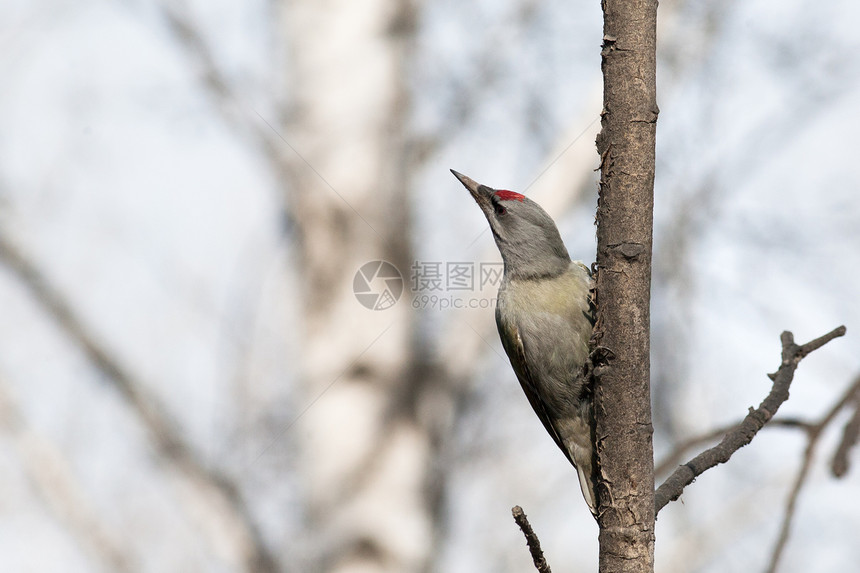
[525, 235]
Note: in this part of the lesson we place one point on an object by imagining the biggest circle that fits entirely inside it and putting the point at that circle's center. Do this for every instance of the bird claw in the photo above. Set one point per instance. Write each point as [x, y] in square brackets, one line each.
[601, 355]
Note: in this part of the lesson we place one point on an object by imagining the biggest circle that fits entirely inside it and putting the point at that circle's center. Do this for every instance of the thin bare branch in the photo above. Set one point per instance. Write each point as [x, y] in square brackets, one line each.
[229, 103]
[674, 457]
[743, 434]
[792, 504]
[54, 482]
[531, 540]
[813, 345]
[168, 440]
[849, 435]
[814, 433]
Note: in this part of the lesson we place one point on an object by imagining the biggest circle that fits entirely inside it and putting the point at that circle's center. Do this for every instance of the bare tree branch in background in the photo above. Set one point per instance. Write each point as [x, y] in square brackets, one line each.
[813, 431]
[813, 434]
[55, 483]
[792, 354]
[218, 489]
[850, 433]
[229, 103]
[675, 457]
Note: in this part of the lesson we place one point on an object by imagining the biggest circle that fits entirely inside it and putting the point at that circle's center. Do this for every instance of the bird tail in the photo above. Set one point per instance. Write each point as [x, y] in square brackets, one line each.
[580, 451]
[586, 483]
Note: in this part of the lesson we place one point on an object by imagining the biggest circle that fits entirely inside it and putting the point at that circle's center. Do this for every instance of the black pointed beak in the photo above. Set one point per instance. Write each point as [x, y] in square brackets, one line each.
[480, 193]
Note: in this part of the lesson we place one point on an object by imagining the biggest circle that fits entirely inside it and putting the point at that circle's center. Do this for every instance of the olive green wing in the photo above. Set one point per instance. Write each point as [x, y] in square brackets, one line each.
[513, 344]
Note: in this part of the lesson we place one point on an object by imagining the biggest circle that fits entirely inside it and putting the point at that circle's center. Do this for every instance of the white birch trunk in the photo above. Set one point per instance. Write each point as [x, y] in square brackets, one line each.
[365, 456]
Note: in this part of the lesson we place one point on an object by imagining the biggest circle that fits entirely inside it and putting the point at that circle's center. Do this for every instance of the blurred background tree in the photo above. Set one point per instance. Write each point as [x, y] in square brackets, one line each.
[187, 190]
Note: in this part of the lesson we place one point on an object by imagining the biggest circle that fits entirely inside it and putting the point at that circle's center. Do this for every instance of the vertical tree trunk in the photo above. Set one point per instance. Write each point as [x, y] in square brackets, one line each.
[624, 218]
[366, 450]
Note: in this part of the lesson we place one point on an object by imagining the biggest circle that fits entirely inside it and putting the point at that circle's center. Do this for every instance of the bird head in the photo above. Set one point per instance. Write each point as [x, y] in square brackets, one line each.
[527, 237]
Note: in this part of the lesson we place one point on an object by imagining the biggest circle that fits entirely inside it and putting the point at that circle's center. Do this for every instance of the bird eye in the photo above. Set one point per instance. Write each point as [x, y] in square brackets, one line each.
[500, 210]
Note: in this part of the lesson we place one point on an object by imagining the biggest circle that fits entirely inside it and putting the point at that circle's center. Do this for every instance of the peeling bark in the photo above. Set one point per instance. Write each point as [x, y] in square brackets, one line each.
[624, 229]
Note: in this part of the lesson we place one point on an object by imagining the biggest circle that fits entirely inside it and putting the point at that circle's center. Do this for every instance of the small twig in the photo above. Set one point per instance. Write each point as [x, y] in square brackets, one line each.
[531, 540]
[743, 434]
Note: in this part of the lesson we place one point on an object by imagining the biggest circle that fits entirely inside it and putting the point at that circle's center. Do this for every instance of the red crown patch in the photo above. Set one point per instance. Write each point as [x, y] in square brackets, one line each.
[506, 195]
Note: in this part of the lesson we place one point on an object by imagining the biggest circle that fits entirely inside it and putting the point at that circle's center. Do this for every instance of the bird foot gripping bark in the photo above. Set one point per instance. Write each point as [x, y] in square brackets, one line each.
[597, 360]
